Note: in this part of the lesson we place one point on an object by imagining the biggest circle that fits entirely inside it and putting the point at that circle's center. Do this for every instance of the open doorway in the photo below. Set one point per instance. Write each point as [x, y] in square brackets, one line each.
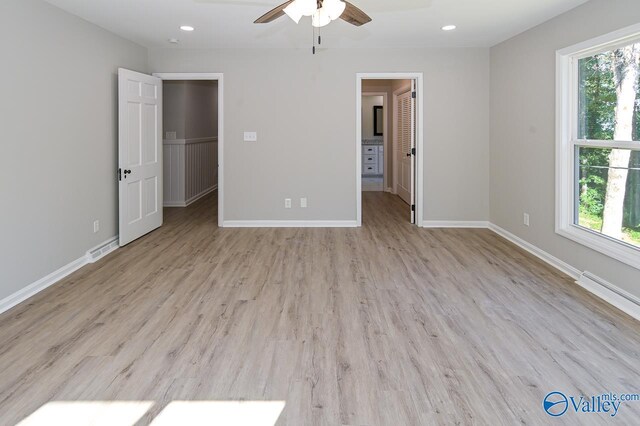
[389, 143]
[192, 143]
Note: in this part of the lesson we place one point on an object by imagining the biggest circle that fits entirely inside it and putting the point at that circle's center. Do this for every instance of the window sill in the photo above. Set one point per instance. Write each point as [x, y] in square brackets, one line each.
[613, 248]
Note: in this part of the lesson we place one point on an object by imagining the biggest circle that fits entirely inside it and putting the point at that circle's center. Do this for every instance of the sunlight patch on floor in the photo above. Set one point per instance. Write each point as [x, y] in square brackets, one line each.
[88, 413]
[176, 413]
[220, 413]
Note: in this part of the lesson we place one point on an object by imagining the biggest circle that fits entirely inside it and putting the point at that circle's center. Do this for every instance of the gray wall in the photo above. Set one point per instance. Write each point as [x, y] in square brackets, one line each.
[303, 108]
[202, 109]
[523, 132]
[190, 108]
[58, 163]
[174, 98]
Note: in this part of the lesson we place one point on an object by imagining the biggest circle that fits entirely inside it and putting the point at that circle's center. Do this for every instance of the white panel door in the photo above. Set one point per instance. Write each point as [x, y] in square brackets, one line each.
[139, 154]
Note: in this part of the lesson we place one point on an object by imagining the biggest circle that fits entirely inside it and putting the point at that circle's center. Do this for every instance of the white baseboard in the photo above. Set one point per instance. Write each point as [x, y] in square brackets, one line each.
[290, 224]
[32, 289]
[202, 194]
[190, 200]
[539, 253]
[610, 293]
[454, 224]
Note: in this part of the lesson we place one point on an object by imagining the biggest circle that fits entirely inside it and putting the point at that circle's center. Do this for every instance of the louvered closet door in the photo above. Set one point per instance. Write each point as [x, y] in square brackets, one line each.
[404, 135]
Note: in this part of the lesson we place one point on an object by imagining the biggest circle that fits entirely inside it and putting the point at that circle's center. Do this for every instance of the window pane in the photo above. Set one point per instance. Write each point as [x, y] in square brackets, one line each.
[609, 192]
[609, 95]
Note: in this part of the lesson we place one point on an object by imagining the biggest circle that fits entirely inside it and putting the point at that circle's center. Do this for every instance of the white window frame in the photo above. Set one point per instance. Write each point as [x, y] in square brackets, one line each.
[567, 141]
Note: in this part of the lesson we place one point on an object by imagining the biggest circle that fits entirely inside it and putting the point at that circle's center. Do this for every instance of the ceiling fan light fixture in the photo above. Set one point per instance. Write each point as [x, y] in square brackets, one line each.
[293, 11]
[307, 7]
[334, 8]
[320, 18]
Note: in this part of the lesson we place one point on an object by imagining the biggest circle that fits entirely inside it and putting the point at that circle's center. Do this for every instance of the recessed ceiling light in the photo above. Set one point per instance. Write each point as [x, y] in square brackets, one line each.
[174, 40]
[448, 28]
[187, 28]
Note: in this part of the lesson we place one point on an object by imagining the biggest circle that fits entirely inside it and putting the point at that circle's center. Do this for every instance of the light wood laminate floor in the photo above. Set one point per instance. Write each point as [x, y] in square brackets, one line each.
[383, 325]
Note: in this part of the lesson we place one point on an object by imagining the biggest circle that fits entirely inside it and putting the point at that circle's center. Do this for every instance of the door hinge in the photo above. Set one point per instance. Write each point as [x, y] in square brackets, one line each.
[413, 151]
[414, 95]
[413, 207]
[119, 174]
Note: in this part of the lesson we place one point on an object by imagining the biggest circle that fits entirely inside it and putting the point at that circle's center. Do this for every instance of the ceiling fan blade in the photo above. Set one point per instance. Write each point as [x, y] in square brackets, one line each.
[273, 14]
[354, 16]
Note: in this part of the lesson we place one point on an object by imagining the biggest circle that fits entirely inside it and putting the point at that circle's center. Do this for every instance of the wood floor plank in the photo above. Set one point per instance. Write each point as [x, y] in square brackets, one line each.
[387, 324]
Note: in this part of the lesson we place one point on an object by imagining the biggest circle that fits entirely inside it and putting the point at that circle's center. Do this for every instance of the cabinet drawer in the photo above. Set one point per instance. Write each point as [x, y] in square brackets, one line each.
[369, 149]
[370, 169]
[369, 159]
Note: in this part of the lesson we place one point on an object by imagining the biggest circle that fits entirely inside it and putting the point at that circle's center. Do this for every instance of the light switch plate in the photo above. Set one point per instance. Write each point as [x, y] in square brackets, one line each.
[171, 136]
[303, 203]
[250, 136]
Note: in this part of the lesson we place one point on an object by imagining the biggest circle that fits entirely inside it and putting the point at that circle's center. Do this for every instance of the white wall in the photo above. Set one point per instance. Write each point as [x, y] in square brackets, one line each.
[523, 132]
[303, 108]
[58, 91]
[368, 102]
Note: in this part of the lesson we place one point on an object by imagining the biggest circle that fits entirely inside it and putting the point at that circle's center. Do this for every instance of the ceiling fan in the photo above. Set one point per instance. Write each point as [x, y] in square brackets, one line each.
[322, 12]
[314, 8]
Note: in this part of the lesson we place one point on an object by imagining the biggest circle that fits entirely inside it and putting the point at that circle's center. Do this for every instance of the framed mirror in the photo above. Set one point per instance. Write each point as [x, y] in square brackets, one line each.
[378, 120]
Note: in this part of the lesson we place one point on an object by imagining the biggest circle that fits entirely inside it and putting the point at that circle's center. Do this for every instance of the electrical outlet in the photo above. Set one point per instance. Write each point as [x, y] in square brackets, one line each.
[250, 136]
[287, 203]
[303, 203]
[96, 226]
[171, 136]
[526, 219]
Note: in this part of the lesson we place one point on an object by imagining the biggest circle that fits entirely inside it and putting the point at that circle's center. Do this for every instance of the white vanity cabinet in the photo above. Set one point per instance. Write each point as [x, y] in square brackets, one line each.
[372, 160]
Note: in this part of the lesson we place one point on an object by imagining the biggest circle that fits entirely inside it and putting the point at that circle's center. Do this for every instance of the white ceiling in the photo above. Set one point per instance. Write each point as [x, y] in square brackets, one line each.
[396, 23]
